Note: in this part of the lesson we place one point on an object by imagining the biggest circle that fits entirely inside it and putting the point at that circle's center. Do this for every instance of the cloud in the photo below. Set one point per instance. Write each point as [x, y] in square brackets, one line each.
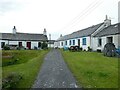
[10, 5]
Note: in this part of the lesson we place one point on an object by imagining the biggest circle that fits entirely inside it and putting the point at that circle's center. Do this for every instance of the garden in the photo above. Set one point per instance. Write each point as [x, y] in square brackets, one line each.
[20, 67]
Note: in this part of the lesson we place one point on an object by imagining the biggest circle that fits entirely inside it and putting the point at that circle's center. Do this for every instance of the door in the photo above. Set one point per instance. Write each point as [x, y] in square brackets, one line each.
[20, 44]
[79, 42]
[29, 45]
[109, 39]
[2, 44]
[39, 44]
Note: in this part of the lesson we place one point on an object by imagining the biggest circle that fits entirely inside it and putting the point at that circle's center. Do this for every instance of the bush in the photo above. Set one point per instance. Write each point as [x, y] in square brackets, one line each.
[20, 48]
[44, 45]
[81, 48]
[35, 48]
[98, 50]
[6, 47]
[11, 80]
[12, 62]
[89, 49]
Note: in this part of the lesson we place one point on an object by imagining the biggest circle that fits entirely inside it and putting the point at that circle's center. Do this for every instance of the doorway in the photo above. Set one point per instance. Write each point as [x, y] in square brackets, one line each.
[29, 45]
[20, 44]
[109, 39]
[79, 42]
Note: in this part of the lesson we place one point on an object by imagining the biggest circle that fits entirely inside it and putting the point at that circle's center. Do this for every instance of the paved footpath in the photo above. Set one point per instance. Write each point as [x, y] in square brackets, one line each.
[54, 73]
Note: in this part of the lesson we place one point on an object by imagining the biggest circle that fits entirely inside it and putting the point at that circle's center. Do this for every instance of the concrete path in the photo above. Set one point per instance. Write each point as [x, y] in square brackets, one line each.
[54, 73]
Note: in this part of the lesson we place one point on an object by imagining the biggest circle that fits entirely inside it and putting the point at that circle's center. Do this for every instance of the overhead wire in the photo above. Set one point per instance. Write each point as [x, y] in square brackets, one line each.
[84, 13]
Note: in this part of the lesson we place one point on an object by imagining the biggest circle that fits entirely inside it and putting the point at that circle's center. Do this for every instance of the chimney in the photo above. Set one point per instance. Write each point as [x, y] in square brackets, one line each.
[60, 35]
[107, 22]
[44, 32]
[14, 30]
[106, 17]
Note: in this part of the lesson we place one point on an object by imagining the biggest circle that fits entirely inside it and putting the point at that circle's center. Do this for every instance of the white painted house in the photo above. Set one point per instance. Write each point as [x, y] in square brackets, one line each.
[27, 40]
[51, 43]
[94, 37]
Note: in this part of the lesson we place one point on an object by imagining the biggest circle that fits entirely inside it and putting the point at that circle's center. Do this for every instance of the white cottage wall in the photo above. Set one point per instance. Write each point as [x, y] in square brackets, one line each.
[56, 44]
[94, 43]
[104, 41]
[61, 46]
[51, 45]
[13, 42]
[85, 47]
[34, 44]
[116, 39]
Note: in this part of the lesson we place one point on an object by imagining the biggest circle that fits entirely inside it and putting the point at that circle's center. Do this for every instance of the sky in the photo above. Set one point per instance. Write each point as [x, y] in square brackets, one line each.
[57, 16]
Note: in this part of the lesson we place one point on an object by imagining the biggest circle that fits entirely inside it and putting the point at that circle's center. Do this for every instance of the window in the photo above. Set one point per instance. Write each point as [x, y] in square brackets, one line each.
[73, 42]
[70, 42]
[61, 43]
[84, 41]
[2, 44]
[65, 42]
[99, 42]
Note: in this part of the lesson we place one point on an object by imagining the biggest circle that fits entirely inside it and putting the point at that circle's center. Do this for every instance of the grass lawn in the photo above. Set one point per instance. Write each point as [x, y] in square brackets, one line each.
[92, 69]
[28, 65]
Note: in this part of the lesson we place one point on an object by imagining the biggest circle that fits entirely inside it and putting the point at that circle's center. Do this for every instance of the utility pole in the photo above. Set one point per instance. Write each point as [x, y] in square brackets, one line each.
[50, 40]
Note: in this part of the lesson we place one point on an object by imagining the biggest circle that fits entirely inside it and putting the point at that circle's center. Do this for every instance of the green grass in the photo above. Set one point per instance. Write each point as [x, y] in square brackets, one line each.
[28, 66]
[21, 56]
[92, 69]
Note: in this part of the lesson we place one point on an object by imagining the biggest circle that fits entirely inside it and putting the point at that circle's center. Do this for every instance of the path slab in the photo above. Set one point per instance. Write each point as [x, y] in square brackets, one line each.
[54, 73]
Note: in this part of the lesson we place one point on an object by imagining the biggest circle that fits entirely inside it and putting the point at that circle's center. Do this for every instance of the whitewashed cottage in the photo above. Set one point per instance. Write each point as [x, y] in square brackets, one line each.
[94, 37]
[27, 40]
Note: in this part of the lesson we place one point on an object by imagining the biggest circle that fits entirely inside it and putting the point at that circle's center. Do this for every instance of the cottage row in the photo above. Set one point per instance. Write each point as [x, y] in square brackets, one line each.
[94, 37]
[26, 40]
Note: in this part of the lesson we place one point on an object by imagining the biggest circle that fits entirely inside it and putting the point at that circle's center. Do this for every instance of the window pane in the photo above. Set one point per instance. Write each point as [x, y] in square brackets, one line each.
[73, 42]
[61, 43]
[84, 41]
[65, 42]
[70, 42]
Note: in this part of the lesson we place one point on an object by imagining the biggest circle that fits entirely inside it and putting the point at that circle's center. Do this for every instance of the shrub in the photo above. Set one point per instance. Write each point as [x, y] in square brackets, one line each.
[44, 45]
[14, 61]
[98, 50]
[35, 48]
[20, 48]
[89, 49]
[11, 80]
[6, 47]
[81, 48]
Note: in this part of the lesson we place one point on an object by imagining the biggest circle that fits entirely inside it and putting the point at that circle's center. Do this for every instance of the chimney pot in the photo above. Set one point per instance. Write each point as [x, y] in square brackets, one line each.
[14, 30]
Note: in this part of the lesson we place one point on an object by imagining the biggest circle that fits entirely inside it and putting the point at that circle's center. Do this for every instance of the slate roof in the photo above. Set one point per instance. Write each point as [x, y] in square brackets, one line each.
[23, 37]
[111, 30]
[51, 41]
[81, 33]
